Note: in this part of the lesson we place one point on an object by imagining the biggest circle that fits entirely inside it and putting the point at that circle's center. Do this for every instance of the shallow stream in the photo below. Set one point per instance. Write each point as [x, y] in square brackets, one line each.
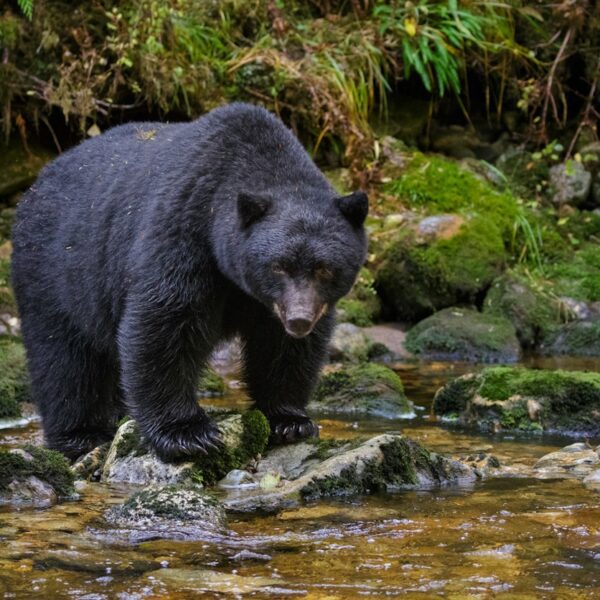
[515, 538]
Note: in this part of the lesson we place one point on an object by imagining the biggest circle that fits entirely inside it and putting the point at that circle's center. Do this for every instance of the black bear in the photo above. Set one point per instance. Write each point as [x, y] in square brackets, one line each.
[136, 252]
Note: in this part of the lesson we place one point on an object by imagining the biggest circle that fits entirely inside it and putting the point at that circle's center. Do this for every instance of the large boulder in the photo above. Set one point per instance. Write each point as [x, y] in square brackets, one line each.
[129, 460]
[453, 251]
[366, 390]
[464, 334]
[317, 469]
[505, 398]
[34, 477]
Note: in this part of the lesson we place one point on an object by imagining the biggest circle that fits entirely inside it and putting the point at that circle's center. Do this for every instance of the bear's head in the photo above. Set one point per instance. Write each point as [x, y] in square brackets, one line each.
[300, 256]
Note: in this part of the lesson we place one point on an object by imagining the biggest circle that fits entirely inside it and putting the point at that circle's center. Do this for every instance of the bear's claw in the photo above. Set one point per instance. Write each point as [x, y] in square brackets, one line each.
[181, 441]
[291, 430]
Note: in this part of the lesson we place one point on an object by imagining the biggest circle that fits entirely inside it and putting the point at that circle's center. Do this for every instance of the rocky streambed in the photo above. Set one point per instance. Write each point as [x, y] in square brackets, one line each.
[391, 501]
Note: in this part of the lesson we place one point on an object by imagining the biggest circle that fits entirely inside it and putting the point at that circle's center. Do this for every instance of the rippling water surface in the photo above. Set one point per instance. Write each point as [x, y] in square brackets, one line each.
[506, 538]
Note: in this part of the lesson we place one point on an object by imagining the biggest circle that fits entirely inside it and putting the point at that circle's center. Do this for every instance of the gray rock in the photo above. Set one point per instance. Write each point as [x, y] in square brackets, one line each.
[383, 463]
[349, 343]
[576, 460]
[30, 492]
[128, 461]
[570, 182]
[177, 511]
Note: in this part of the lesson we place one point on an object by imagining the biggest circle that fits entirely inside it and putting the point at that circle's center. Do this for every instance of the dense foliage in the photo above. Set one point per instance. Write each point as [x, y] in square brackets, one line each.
[327, 66]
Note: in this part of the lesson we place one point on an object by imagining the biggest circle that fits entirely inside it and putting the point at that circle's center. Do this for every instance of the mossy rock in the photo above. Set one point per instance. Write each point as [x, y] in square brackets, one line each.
[211, 384]
[464, 334]
[367, 389]
[129, 459]
[23, 466]
[416, 277]
[14, 378]
[361, 306]
[416, 273]
[579, 338]
[508, 398]
[527, 304]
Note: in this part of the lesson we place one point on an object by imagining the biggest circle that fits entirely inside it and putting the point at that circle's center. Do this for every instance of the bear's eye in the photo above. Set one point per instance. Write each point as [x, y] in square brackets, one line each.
[277, 269]
[324, 274]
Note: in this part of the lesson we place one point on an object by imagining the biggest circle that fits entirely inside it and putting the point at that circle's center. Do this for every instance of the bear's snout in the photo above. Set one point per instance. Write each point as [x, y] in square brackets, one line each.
[300, 308]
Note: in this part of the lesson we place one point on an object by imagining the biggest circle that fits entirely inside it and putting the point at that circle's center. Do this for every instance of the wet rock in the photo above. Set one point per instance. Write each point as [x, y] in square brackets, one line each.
[579, 338]
[90, 465]
[323, 469]
[34, 477]
[531, 309]
[129, 460]
[504, 398]
[577, 460]
[570, 183]
[592, 480]
[174, 511]
[349, 343]
[464, 334]
[368, 389]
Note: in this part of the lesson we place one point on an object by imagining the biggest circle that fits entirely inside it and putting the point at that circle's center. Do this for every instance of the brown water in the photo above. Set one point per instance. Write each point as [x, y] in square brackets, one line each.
[508, 538]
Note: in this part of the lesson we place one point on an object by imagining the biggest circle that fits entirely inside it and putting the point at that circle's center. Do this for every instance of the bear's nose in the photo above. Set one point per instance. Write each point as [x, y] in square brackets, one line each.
[298, 327]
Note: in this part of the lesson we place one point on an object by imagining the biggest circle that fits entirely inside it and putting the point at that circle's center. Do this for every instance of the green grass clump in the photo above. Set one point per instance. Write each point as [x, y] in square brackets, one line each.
[47, 465]
[578, 277]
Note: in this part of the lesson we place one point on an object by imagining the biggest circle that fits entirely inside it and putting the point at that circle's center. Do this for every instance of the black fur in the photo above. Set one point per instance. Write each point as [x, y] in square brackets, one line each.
[138, 251]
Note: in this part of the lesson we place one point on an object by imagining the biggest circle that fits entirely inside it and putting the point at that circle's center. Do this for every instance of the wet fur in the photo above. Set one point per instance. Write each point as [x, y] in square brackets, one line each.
[130, 265]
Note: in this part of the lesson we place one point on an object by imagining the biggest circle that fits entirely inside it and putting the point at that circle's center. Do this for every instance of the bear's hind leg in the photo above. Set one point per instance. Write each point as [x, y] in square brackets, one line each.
[74, 387]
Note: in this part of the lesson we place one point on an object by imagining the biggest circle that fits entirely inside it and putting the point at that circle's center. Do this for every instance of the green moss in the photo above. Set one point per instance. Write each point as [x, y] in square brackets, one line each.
[440, 185]
[369, 389]
[417, 278]
[47, 465]
[361, 306]
[567, 401]
[255, 437]
[130, 442]
[14, 379]
[464, 334]
[211, 384]
[403, 462]
[578, 277]
[527, 304]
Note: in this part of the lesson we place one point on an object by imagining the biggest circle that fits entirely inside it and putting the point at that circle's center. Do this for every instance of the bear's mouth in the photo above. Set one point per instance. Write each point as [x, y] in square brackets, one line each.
[299, 324]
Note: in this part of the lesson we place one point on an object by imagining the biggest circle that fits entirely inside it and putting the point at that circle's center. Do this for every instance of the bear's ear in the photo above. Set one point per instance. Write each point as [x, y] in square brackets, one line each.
[252, 207]
[354, 207]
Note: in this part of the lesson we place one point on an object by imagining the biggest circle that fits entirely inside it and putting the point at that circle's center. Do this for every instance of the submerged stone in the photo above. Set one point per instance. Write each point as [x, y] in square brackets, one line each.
[505, 398]
[368, 389]
[176, 510]
[33, 476]
[464, 334]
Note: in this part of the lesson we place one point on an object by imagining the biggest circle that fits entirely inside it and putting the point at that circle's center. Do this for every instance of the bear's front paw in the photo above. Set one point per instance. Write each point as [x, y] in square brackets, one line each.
[292, 428]
[185, 439]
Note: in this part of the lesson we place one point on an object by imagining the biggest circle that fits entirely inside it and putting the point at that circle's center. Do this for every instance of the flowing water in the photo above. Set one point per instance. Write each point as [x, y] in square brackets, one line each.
[514, 538]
